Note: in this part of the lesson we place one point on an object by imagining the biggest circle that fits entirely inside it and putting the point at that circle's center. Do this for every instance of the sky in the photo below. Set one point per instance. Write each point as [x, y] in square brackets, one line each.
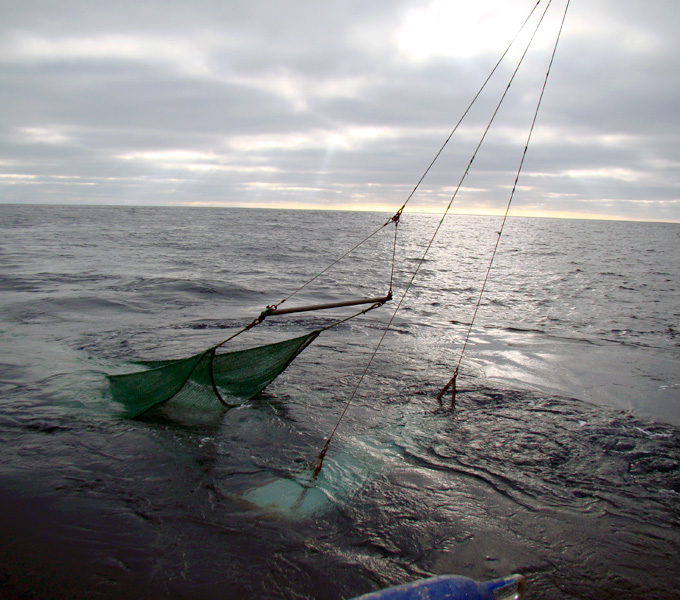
[341, 105]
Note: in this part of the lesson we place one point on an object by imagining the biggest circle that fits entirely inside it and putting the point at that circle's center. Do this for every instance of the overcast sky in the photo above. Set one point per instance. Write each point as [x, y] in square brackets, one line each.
[295, 103]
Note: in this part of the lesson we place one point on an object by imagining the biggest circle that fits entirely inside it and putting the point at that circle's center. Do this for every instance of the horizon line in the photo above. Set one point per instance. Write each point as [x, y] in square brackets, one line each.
[461, 211]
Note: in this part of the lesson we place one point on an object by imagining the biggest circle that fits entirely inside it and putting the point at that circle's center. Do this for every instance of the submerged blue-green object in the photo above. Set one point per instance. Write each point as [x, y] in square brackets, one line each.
[453, 587]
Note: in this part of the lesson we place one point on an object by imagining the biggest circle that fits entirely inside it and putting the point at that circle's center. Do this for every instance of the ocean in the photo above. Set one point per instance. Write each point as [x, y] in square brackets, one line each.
[560, 460]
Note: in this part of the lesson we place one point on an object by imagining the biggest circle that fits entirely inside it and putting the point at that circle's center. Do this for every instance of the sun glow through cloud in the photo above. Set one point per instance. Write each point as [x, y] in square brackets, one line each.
[456, 29]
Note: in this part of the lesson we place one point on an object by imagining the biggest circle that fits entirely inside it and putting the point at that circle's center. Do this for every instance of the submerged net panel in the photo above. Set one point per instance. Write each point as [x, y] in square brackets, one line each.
[247, 372]
[202, 380]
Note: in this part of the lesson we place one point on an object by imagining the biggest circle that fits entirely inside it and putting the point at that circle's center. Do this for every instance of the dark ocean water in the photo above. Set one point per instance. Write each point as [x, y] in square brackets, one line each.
[561, 460]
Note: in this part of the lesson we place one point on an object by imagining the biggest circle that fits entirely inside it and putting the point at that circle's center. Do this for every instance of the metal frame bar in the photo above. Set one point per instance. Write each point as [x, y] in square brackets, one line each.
[297, 309]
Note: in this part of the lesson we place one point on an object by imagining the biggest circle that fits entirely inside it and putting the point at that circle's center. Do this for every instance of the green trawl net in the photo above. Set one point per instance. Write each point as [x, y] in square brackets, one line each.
[202, 380]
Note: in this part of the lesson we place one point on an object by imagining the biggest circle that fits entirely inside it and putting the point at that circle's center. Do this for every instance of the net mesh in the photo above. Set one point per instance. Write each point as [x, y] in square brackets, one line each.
[206, 380]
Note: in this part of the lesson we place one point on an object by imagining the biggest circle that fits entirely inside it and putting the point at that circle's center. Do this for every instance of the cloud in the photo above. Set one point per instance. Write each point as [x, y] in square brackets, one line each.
[338, 105]
[177, 54]
[41, 135]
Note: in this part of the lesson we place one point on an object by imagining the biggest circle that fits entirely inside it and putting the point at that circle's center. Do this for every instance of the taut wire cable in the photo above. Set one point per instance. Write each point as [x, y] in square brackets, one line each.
[452, 382]
[317, 464]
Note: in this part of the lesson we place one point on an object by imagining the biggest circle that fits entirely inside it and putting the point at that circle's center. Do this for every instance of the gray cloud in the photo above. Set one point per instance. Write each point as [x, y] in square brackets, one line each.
[316, 104]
